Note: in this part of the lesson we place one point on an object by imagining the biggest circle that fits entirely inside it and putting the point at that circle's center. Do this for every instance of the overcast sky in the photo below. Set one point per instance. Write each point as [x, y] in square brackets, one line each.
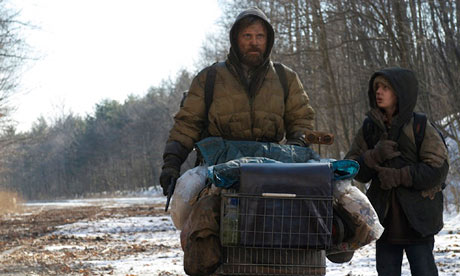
[90, 50]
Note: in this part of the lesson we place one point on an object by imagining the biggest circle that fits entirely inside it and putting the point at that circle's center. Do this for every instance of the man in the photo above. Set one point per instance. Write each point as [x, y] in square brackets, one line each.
[248, 102]
[407, 179]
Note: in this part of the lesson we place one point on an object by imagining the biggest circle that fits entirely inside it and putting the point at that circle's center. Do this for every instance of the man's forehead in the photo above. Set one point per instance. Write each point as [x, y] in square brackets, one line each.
[258, 26]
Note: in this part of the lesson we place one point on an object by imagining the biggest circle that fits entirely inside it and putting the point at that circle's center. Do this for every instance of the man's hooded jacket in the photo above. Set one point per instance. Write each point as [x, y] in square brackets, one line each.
[422, 203]
[243, 108]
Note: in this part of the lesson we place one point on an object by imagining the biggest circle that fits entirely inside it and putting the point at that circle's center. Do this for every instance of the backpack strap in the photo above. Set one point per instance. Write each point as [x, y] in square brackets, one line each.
[281, 72]
[420, 121]
[419, 129]
[209, 89]
[208, 97]
[367, 129]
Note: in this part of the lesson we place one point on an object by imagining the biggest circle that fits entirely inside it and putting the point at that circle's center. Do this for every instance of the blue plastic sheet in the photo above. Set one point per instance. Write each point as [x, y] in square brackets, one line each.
[224, 158]
[216, 150]
[345, 169]
[226, 175]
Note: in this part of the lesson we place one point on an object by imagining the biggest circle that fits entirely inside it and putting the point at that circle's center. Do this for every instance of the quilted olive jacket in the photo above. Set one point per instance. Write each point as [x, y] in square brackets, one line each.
[244, 108]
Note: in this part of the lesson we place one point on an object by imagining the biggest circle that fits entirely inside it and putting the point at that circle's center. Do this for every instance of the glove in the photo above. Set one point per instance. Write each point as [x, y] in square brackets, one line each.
[298, 139]
[170, 171]
[392, 178]
[296, 142]
[173, 157]
[168, 174]
[384, 150]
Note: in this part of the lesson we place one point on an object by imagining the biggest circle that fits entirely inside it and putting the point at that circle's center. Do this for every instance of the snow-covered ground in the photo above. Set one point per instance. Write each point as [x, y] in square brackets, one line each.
[160, 253]
[447, 254]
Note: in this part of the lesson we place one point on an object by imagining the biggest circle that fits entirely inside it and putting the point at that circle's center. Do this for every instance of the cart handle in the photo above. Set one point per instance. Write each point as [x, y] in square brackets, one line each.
[278, 195]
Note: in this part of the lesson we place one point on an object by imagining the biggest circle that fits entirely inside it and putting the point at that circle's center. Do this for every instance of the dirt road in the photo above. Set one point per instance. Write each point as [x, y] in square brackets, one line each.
[28, 247]
[132, 237]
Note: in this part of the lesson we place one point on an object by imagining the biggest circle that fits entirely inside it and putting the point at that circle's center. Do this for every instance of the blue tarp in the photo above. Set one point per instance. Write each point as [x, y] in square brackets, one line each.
[216, 150]
[227, 174]
[224, 158]
[344, 169]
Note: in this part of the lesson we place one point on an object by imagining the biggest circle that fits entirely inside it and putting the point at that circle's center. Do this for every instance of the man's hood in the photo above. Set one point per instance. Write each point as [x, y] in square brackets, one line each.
[405, 86]
[270, 33]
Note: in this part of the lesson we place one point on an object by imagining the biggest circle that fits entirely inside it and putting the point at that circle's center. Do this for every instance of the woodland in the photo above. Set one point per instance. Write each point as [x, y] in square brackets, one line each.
[333, 45]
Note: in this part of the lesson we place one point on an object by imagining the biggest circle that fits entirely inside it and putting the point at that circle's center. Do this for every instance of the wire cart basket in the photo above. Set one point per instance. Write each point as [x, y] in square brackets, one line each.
[274, 234]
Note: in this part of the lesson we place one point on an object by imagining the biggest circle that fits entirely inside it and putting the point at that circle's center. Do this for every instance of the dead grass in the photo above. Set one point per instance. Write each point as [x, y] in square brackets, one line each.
[10, 202]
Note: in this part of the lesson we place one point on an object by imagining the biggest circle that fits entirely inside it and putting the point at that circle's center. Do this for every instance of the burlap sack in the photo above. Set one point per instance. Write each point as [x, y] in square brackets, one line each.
[200, 237]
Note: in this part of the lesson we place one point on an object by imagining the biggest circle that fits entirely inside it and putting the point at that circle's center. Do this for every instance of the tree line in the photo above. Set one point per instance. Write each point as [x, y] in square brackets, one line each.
[333, 45]
[118, 148]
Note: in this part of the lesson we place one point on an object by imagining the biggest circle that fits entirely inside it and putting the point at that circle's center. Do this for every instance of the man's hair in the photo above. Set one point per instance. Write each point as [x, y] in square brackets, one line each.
[247, 21]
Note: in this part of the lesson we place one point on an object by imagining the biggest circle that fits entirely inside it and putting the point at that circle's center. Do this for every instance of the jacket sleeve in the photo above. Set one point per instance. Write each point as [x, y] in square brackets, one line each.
[358, 147]
[189, 122]
[299, 115]
[433, 166]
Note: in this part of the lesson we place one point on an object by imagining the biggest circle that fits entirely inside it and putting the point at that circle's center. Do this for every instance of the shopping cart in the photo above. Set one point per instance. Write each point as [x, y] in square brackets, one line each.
[279, 222]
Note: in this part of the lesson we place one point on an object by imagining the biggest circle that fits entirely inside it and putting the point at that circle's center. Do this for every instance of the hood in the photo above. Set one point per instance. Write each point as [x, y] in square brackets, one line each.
[405, 85]
[234, 52]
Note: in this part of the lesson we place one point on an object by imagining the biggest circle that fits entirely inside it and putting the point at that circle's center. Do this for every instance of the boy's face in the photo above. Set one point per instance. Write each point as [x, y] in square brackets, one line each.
[385, 97]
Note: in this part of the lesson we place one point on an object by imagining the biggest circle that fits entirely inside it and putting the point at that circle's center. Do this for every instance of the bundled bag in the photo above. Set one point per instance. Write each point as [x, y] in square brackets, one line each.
[188, 187]
[200, 236]
[356, 210]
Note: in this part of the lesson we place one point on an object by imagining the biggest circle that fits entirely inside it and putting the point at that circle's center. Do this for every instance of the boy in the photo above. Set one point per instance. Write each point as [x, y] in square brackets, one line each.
[405, 187]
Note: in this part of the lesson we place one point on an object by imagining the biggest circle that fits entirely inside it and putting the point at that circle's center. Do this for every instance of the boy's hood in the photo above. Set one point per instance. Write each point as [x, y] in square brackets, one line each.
[405, 85]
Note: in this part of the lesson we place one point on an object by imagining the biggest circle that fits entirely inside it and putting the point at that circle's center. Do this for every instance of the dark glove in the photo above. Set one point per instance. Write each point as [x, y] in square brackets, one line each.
[298, 139]
[168, 174]
[170, 171]
[383, 150]
[173, 157]
[296, 142]
[392, 178]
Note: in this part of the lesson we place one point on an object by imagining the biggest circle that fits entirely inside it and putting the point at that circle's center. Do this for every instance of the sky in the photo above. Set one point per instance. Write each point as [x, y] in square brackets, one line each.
[87, 51]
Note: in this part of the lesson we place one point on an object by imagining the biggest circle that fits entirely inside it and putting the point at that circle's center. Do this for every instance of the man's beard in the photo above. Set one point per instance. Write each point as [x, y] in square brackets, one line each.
[252, 60]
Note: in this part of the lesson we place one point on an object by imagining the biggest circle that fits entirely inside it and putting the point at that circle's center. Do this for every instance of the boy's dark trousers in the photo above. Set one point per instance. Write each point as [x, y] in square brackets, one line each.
[420, 256]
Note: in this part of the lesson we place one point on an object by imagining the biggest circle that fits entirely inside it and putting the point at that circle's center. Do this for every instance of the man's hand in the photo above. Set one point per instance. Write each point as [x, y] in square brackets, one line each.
[296, 142]
[392, 178]
[297, 139]
[384, 150]
[173, 157]
[168, 174]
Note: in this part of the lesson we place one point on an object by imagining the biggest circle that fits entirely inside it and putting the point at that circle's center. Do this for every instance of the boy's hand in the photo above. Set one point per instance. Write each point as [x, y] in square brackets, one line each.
[392, 178]
[384, 150]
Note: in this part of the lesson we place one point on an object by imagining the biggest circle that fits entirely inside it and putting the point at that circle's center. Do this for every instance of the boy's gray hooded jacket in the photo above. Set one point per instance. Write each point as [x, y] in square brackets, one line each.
[422, 204]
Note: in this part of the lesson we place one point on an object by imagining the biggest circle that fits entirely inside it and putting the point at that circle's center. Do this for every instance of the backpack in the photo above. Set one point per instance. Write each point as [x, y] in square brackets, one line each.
[209, 93]
[211, 79]
[419, 126]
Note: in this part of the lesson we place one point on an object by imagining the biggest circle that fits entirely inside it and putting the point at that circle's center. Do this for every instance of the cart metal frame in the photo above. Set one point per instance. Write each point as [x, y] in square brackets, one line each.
[274, 234]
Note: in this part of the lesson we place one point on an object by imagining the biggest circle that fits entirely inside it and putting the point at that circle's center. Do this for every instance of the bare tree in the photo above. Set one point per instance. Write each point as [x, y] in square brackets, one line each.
[12, 56]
